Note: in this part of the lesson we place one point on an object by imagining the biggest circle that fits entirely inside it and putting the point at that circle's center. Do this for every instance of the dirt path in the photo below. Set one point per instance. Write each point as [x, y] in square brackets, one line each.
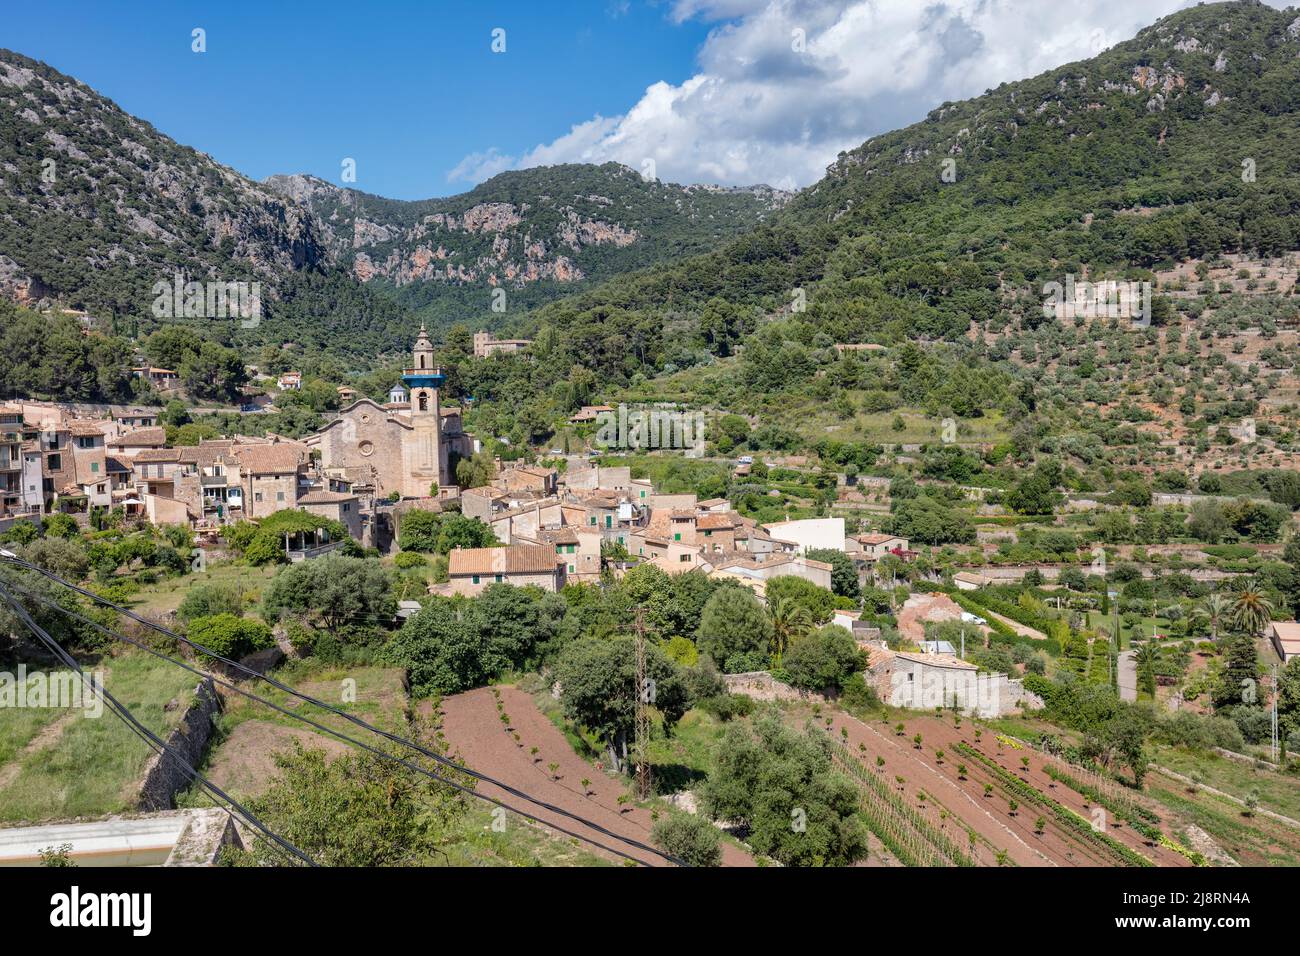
[47, 737]
[473, 729]
[1128, 680]
[1023, 630]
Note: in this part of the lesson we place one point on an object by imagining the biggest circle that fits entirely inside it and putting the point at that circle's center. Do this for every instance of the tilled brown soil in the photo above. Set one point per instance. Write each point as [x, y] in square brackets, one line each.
[989, 817]
[474, 731]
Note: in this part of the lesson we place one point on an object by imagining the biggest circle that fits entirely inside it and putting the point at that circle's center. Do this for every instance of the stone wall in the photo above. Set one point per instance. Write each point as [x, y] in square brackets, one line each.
[760, 685]
[164, 777]
[206, 834]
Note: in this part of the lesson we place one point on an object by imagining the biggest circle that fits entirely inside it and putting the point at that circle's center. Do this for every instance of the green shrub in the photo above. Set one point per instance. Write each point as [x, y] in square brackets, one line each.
[206, 600]
[226, 635]
[690, 838]
[727, 706]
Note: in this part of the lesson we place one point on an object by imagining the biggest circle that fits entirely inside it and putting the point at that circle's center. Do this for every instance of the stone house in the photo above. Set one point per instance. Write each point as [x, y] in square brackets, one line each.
[873, 547]
[271, 474]
[578, 549]
[471, 570]
[336, 506]
[716, 531]
[766, 567]
[90, 459]
[540, 481]
[129, 444]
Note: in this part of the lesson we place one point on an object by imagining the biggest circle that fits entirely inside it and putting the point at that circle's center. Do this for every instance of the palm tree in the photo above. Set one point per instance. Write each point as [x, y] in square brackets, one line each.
[789, 621]
[1145, 660]
[1251, 611]
[1215, 608]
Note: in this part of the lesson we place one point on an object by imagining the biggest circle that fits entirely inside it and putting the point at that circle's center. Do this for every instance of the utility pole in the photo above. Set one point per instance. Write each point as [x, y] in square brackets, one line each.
[1273, 709]
[644, 694]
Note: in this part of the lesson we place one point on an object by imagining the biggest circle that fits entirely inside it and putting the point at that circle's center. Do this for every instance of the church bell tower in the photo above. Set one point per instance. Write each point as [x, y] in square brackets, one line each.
[426, 462]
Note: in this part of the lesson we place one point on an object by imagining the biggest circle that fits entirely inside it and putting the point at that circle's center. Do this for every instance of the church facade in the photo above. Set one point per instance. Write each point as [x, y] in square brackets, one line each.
[406, 447]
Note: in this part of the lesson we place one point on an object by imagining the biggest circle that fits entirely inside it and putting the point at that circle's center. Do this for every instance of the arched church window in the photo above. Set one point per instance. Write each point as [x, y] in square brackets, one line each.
[421, 361]
[424, 402]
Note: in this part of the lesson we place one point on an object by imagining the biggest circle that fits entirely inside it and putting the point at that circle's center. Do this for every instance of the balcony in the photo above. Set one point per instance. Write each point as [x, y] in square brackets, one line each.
[424, 377]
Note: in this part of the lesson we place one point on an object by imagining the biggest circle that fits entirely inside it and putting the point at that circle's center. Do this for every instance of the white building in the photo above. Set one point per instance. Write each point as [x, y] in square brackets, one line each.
[808, 534]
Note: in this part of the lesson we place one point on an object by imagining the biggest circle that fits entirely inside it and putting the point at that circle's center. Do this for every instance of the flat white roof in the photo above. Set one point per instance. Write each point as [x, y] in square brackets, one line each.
[142, 842]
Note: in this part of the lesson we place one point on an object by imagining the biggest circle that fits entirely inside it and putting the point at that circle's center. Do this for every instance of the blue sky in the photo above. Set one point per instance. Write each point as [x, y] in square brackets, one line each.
[721, 91]
[407, 89]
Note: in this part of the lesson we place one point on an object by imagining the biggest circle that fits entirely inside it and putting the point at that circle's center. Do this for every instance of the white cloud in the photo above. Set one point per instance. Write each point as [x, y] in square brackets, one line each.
[477, 167]
[759, 110]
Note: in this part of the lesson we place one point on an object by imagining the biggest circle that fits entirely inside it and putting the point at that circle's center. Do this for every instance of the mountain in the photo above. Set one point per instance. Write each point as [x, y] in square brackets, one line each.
[1175, 145]
[1172, 146]
[96, 205]
[538, 233]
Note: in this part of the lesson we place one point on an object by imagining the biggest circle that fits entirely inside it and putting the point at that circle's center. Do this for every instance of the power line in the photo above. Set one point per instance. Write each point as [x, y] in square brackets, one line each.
[321, 727]
[644, 692]
[140, 730]
[469, 771]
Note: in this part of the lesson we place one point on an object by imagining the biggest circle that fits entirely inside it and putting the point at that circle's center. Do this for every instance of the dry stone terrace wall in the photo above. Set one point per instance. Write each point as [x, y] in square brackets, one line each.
[760, 685]
[164, 776]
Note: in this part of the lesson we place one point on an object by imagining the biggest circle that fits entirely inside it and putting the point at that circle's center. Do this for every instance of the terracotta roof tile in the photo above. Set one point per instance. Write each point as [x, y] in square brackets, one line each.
[81, 429]
[141, 438]
[322, 497]
[278, 459]
[714, 521]
[514, 559]
[157, 455]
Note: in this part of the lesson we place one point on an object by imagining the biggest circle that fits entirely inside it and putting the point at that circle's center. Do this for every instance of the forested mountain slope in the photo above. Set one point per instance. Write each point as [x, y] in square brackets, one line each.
[537, 233]
[1176, 144]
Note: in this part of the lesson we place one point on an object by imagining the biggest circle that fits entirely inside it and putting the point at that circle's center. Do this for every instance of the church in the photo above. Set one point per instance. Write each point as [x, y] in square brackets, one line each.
[408, 446]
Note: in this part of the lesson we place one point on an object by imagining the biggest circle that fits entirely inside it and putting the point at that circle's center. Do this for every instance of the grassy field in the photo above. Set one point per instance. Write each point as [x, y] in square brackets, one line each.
[166, 595]
[1277, 791]
[521, 843]
[918, 427]
[19, 725]
[91, 766]
[1255, 841]
[679, 762]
